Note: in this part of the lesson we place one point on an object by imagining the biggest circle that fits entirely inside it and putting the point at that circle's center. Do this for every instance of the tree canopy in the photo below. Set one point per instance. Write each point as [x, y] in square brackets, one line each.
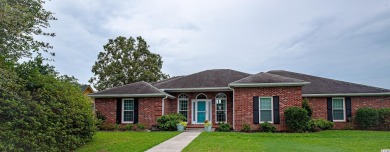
[40, 110]
[20, 21]
[126, 60]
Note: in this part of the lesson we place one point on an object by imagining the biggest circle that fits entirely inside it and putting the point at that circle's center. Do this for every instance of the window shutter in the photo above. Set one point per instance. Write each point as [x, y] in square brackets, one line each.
[276, 110]
[329, 111]
[348, 107]
[119, 111]
[256, 110]
[135, 110]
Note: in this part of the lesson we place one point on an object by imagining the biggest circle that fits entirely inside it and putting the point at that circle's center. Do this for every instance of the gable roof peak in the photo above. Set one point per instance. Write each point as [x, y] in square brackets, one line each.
[212, 78]
[263, 77]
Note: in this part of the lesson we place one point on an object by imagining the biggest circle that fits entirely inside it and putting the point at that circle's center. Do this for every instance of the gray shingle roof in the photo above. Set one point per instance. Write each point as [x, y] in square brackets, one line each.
[267, 78]
[137, 88]
[319, 85]
[204, 79]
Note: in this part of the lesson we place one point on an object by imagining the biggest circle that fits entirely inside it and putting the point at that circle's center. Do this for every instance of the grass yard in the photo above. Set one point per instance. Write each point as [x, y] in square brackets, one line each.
[125, 141]
[333, 140]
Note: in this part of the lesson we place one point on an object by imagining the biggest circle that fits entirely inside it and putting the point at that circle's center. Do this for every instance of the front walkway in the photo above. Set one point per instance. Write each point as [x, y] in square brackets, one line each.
[177, 143]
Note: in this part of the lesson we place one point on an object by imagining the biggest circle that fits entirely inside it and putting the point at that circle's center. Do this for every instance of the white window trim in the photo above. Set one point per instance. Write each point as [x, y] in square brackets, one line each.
[344, 110]
[216, 110]
[201, 94]
[123, 110]
[272, 110]
[178, 105]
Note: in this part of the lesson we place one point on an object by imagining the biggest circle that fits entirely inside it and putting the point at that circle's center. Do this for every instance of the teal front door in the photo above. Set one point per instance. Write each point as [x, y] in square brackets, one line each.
[201, 111]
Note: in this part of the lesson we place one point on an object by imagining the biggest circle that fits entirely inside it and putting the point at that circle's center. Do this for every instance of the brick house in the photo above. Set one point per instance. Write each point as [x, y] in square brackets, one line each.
[237, 98]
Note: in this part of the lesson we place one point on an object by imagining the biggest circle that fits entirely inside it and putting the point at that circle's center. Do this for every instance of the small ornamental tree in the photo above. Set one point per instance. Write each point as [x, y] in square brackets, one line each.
[296, 119]
[306, 106]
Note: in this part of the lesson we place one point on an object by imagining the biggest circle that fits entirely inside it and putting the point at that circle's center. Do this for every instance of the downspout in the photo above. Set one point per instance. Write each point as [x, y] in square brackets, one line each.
[233, 106]
[162, 110]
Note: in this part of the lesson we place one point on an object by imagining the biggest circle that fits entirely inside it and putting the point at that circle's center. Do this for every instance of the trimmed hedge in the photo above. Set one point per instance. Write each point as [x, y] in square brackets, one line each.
[370, 118]
[296, 119]
[384, 117]
[367, 118]
[319, 124]
[169, 121]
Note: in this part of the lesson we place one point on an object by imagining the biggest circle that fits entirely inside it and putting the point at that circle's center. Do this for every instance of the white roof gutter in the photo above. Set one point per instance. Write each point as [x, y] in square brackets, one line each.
[129, 95]
[287, 84]
[347, 94]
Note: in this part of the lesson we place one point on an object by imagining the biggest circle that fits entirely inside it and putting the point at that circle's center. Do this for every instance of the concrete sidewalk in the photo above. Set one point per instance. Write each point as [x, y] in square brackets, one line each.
[177, 143]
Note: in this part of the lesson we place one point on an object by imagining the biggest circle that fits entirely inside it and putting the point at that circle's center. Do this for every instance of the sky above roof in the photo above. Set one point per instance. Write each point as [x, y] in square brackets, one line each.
[343, 40]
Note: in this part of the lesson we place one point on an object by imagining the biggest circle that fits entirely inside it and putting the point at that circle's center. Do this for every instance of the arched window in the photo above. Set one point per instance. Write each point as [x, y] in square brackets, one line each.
[220, 105]
[182, 105]
[201, 96]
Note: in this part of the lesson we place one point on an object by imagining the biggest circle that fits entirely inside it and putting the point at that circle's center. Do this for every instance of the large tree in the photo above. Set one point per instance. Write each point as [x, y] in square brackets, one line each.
[126, 60]
[20, 22]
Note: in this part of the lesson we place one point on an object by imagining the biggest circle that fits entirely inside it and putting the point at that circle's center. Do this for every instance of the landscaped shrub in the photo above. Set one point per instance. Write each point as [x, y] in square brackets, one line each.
[306, 106]
[319, 124]
[384, 118]
[140, 126]
[267, 127]
[100, 119]
[41, 112]
[107, 126]
[129, 127]
[223, 127]
[169, 121]
[246, 127]
[116, 127]
[296, 119]
[367, 118]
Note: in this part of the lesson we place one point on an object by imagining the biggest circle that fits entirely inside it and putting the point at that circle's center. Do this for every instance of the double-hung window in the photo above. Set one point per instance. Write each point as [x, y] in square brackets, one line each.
[183, 105]
[220, 104]
[128, 110]
[266, 109]
[338, 109]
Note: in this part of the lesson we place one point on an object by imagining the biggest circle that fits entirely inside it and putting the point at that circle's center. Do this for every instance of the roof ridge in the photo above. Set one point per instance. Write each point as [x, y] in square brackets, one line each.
[243, 78]
[168, 79]
[157, 89]
[328, 79]
[284, 76]
[279, 76]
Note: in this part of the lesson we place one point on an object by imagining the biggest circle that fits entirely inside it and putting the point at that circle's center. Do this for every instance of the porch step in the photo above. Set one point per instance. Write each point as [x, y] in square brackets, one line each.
[200, 126]
[197, 129]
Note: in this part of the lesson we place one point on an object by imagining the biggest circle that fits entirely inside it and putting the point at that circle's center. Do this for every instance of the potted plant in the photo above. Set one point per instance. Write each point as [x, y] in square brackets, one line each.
[207, 126]
[181, 126]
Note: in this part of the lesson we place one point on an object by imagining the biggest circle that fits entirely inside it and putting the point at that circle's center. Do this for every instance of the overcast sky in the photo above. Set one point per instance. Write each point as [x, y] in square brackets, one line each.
[343, 40]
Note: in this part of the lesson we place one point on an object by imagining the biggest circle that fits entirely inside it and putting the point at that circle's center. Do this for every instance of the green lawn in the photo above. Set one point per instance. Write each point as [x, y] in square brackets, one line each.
[334, 140]
[125, 141]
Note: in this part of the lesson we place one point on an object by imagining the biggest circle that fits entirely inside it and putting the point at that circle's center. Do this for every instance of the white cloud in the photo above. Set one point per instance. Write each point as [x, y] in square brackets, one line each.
[337, 39]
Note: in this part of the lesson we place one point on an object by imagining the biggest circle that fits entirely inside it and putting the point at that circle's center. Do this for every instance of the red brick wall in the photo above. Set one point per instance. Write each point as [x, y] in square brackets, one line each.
[149, 109]
[107, 107]
[319, 106]
[288, 96]
[210, 95]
